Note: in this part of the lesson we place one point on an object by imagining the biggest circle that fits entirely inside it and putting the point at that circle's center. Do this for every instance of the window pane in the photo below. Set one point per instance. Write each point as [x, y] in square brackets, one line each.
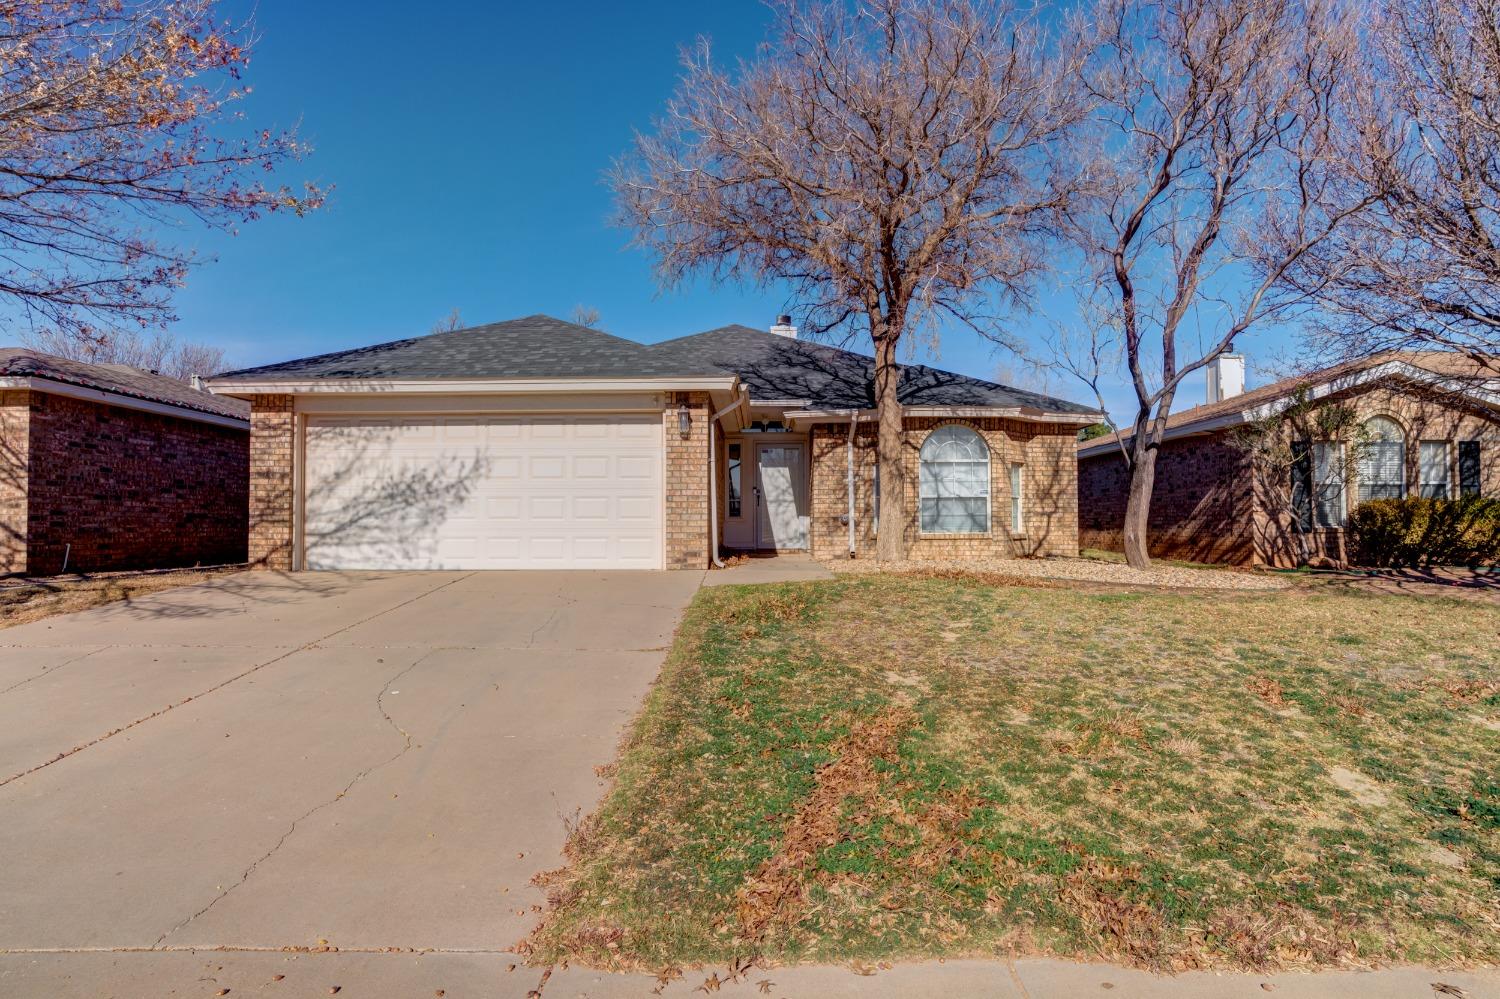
[1328, 484]
[954, 481]
[1015, 499]
[1382, 466]
[1302, 489]
[1432, 469]
[1468, 468]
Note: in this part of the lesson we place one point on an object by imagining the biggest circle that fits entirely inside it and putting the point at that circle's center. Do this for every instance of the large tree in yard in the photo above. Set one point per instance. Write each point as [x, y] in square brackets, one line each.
[894, 162]
[1219, 170]
[1423, 268]
[116, 122]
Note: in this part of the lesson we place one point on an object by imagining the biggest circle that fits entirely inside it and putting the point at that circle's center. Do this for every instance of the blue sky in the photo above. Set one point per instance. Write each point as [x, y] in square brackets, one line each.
[467, 146]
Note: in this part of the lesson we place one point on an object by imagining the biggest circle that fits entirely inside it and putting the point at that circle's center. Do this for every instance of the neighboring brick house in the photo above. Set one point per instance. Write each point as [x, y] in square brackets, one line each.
[106, 467]
[537, 443]
[1427, 423]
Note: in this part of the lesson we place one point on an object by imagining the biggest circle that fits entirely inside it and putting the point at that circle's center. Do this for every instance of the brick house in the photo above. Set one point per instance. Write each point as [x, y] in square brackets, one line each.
[536, 443]
[107, 467]
[1428, 423]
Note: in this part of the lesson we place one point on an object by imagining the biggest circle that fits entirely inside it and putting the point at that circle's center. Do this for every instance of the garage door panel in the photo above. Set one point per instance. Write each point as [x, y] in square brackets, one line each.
[484, 492]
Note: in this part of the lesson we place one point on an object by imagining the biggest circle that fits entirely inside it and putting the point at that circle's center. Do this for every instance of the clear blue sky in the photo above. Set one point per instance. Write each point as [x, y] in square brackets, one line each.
[467, 143]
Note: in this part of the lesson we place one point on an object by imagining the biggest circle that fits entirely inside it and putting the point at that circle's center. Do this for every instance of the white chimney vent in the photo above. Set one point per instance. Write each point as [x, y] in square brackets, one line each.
[1226, 377]
[784, 327]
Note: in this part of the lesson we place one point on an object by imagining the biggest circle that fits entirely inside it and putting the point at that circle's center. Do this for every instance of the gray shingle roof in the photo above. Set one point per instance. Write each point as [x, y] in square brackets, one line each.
[777, 367]
[533, 347]
[17, 362]
[774, 367]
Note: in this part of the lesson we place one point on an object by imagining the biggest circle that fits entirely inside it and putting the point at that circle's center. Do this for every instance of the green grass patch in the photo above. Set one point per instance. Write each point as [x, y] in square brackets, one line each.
[1289, 779]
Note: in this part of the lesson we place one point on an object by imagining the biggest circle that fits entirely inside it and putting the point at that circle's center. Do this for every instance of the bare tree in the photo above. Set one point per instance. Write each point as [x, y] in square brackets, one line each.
[452, 321]
[105, 117]
[1423, 268]
[161, 352]
[893, 161]
[1218, 173]
[586, 315]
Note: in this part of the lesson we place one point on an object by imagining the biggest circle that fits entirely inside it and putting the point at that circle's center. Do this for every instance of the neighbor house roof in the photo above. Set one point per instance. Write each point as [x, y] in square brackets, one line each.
[827, 378]
[532, 347]
[1446, 370]
[43, 371]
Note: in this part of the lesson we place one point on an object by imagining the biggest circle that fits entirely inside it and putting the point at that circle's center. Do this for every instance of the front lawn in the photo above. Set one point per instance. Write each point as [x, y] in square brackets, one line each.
[893, 768]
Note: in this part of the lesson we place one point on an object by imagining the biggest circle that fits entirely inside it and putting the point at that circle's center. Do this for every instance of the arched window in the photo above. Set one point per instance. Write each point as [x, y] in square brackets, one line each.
[955, 482]
[1382, 463]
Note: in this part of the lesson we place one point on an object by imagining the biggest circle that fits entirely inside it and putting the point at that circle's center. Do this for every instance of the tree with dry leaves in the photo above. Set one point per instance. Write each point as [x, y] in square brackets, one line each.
[1423, 268]
[895, 162]
[160, 352]
[1219, 170]
[117, 117]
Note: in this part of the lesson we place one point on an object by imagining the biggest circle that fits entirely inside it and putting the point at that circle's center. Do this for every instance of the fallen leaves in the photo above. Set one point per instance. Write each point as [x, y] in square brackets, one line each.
[1268, 690]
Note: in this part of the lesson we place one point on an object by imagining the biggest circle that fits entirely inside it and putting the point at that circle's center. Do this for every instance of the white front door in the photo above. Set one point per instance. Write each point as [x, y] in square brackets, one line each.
[484, 492]
[782, 515]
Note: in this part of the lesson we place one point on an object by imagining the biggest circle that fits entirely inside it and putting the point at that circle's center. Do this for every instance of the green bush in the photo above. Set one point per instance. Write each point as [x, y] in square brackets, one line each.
[1420, 531]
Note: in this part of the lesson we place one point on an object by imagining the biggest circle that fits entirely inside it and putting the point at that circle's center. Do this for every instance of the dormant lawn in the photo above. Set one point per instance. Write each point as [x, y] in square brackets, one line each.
[886, 768]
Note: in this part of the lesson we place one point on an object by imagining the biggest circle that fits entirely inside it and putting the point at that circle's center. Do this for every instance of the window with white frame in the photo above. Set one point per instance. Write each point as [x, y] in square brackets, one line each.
[1382, 465]
[1432, 469]
[1318, 483]
[1017, 512]
[955, 482]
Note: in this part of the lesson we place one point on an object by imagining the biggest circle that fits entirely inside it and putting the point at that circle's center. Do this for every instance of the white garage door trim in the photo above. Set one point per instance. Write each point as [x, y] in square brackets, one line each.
[578, 491]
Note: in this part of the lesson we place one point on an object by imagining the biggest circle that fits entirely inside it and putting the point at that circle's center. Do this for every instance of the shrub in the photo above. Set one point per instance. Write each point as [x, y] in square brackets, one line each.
[1416, 530]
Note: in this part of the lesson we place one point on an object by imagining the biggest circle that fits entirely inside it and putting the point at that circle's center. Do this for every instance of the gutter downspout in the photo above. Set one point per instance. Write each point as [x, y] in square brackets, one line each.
[849, 476]
[713, 478]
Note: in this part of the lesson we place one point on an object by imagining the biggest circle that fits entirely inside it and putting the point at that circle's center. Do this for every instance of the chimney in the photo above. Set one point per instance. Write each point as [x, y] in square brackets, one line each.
[784, 327]
[1226, 377]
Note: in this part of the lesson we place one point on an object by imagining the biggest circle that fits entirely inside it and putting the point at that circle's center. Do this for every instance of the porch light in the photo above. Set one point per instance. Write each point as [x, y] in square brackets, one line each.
[684, 422]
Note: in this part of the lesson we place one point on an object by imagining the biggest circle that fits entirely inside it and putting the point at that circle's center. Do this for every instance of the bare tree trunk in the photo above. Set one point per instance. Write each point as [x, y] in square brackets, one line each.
[890, 542]
[1138, 499]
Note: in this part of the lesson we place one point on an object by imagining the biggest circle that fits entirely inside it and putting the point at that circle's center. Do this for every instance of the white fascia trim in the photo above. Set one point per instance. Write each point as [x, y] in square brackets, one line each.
[102, 397]
[778, 403]
[453, 386]
[1321, 390]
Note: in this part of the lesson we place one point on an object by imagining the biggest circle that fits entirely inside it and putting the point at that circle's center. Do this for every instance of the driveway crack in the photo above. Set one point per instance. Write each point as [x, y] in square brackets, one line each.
[221, 685]
[361, 775]
[54, 668]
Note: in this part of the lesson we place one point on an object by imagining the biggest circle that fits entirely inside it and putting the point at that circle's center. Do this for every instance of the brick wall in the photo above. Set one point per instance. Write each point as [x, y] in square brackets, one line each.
[1049, 508]
[1200, 508]
[686, 521]
[15, 446]
[129, 490]
[1208, 506]
[272, 451]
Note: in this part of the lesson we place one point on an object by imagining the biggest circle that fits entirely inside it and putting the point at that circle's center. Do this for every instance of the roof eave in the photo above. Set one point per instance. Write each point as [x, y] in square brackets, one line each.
[52, 386]
[250, 388]
[1023, 413]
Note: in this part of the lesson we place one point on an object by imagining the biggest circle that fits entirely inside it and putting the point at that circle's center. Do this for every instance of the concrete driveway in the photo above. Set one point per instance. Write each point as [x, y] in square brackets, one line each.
[371, 760]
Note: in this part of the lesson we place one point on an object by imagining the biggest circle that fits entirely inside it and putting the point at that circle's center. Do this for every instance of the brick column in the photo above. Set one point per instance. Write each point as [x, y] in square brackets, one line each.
[686, 524]
[272, 447]
[15, 451]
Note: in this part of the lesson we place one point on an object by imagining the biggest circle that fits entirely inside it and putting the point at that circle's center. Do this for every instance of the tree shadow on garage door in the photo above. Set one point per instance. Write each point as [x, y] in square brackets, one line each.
[389, 519]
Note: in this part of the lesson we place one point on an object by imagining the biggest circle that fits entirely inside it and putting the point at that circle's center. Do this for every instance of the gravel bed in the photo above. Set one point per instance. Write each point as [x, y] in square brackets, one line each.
[1081, 569]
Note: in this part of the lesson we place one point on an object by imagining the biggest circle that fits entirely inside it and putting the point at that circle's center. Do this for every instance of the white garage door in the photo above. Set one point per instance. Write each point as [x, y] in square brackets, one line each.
[562, 492]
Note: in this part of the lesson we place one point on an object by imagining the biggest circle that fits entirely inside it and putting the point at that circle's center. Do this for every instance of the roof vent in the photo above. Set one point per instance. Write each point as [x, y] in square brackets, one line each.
[1226, 377]
[784, 327]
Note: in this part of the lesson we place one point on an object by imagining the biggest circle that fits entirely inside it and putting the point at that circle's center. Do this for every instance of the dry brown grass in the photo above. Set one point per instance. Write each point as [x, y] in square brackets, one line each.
[27, 600]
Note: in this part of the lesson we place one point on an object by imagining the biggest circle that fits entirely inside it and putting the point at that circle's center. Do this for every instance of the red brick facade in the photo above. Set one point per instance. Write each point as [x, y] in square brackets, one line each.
[115, 488]
[1209, 505]
[1049, 507]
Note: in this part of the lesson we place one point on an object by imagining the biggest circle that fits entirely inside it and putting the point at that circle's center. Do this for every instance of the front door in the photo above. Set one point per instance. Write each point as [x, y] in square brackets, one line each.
[781, 520]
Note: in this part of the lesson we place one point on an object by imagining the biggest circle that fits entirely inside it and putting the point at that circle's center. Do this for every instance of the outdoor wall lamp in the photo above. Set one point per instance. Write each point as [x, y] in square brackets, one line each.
[684, 422]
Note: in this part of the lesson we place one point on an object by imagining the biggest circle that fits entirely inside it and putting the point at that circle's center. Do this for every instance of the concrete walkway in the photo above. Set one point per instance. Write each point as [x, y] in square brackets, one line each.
[768, 569]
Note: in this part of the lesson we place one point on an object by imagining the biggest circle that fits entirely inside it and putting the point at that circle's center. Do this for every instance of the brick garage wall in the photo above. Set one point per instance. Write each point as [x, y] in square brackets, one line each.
[272, 481]
[1200, 507]
[131, 490]
[687, 522]
[15, 446]
[1049, 507]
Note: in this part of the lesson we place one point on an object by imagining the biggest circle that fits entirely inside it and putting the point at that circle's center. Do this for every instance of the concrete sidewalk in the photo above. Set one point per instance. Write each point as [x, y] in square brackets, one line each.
[501, 976]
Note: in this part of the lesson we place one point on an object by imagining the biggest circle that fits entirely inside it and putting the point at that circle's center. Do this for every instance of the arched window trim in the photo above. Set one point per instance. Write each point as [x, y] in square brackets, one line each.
[932, 508]
[1377, 459]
